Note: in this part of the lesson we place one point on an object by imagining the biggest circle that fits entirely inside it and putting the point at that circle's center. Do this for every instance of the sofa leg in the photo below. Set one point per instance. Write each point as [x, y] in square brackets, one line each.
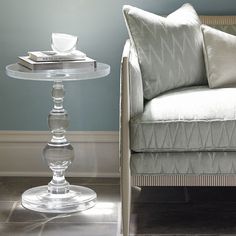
[126, 206]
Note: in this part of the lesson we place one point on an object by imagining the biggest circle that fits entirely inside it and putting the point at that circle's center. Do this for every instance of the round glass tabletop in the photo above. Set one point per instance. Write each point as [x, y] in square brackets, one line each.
[20, 72]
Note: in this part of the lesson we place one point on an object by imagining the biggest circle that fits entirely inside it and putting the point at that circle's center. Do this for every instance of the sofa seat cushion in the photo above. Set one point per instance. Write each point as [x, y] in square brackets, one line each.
[190, 119]
[192, 163]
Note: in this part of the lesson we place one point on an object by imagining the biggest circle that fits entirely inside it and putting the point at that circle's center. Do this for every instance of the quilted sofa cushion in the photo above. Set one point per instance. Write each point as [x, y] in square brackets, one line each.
[169, 48]
[183, 163]
[191, 119]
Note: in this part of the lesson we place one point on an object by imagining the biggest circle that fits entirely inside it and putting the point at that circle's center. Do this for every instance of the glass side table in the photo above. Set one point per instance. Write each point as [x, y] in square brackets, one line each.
[58, 196]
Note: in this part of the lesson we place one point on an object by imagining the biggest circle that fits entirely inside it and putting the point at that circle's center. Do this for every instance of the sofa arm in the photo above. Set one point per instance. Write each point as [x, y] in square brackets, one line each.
[124, 140]
[131, 103]
[134, 79]
[131, 99]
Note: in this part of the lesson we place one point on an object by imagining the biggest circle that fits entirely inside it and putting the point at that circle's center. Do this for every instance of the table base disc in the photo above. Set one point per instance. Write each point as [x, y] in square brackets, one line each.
[77, 199]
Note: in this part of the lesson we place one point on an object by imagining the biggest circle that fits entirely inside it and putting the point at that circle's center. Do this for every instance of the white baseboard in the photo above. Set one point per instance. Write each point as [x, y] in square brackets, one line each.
[96, 153]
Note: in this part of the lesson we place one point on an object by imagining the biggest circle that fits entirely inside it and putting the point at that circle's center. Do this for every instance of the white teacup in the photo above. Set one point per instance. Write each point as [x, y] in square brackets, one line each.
[63, 43]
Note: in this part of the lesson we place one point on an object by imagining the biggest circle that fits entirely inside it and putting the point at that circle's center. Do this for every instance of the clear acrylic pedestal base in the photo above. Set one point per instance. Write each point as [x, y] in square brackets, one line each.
[77, 199]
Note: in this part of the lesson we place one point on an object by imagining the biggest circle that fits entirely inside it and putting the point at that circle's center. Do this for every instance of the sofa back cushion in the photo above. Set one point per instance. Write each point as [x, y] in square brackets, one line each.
[169, 49]
[220, 56]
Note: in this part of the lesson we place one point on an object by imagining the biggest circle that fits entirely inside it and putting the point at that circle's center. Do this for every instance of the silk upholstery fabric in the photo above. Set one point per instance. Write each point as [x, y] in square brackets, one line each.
[169, 49]
[220, 57]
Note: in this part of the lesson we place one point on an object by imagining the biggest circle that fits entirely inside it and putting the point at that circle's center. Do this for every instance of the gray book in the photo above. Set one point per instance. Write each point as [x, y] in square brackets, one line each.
[53, 65]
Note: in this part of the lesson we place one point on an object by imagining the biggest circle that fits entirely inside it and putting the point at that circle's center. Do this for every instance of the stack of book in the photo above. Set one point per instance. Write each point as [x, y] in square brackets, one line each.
[50, 60]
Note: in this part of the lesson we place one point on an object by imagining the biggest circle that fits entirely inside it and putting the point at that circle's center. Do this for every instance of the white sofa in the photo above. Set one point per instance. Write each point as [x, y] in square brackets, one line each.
[183, 137]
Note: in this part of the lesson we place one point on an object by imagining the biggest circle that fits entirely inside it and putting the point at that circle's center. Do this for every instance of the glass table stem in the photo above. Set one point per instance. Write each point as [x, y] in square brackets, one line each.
[58, 153]
[58, 196]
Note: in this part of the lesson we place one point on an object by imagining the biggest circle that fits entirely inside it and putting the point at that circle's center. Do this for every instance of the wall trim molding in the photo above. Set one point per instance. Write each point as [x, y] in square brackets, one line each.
[21, 153]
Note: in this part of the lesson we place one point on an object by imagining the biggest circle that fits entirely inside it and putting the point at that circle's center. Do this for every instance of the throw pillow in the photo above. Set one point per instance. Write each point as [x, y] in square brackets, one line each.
[169, 48]
[220, 57]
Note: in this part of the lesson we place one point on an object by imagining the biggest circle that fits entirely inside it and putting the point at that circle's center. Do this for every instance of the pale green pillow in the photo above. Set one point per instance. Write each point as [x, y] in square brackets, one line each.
[220, 57]
[169, 49]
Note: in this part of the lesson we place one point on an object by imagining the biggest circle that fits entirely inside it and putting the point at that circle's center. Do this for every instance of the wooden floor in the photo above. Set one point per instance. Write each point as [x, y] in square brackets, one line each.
[155, 211]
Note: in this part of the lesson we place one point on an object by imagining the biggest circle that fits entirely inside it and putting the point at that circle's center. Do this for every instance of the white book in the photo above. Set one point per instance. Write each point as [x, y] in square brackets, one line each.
[53, 56]
[53, 65]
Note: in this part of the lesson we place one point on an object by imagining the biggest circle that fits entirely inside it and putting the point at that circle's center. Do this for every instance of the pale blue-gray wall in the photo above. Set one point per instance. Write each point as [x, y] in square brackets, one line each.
[93, 105]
